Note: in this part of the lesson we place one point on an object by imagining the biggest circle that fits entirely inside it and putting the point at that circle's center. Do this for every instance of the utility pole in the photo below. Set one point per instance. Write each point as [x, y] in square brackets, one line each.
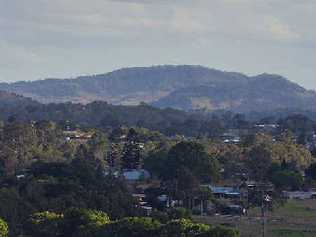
[263, 215]
[265, 199]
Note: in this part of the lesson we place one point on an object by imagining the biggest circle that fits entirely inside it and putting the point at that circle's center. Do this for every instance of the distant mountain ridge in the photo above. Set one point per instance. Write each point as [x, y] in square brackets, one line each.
[183, 87]
[14, 100]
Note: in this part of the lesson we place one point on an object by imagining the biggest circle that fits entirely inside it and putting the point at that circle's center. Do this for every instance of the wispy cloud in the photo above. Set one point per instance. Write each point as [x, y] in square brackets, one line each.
[279, 30]
[68, 37]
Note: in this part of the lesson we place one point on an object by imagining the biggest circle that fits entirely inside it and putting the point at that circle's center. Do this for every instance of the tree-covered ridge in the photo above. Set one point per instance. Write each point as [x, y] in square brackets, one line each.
[103, 115]
[12, 100]
[183, 87]
[168, 121]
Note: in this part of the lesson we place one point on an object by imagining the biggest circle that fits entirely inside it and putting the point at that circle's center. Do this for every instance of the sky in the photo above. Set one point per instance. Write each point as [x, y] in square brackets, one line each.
[68, 38]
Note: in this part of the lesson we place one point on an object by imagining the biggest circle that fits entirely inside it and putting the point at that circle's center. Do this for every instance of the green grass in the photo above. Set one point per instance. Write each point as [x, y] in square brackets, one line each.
[298, 208]
[291, 233]
[297, 218]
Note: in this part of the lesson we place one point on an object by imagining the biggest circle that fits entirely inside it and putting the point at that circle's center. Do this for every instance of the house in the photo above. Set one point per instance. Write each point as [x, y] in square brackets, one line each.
[234, 136]
[139, 197]
[142, 204]
[231, 137]
[147, 210]
[225, 192]
[136, 174]
[131, 175]
[267, 128]
[233, 140]
[78, 136]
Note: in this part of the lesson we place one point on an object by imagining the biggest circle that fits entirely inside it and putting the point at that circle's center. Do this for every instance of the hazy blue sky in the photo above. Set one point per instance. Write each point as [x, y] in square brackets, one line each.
[66, 38]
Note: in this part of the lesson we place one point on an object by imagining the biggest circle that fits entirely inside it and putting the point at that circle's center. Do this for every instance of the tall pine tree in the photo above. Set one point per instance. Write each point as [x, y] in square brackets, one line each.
[131, 151]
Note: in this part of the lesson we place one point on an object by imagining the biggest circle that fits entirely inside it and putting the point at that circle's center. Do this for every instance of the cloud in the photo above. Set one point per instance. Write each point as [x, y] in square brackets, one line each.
[68, 37]
[185, 21]
[280, 30]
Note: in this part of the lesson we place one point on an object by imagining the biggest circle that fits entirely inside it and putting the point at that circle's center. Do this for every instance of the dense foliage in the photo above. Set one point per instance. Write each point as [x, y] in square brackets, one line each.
[60, 178]
[3, 228]
[89, 223]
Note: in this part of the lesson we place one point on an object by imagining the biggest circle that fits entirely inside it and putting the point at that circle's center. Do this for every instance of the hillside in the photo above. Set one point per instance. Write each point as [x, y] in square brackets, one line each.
[107, 117]
[181, 87]
[12, 100]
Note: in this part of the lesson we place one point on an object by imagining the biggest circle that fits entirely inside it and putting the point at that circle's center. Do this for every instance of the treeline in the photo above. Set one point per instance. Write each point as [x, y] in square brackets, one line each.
[42, 171]
[167, 121]
[90, 223]
[35, 202]
[23, 144]
[57, 186]
[105, 116]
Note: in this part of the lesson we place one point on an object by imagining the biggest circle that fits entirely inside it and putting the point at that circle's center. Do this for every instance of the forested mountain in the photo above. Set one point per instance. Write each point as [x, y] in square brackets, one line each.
[12, 104]
[14, 100]
[182, 87]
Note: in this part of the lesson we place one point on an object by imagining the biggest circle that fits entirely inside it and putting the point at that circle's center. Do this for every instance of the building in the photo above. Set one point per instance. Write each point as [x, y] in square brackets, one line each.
[135, 174]
[225, 192]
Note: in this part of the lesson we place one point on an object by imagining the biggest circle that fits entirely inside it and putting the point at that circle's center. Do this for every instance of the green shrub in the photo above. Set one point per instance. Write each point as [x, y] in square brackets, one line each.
[4, 230]
[44, 224]
[179, 213]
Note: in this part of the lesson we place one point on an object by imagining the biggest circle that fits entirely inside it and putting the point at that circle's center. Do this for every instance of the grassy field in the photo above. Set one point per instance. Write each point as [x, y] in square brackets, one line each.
[297, 218]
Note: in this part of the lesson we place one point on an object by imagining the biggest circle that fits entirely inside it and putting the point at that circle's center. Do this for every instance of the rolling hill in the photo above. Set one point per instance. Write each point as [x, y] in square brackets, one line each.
[13, 100]
[181, 87]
